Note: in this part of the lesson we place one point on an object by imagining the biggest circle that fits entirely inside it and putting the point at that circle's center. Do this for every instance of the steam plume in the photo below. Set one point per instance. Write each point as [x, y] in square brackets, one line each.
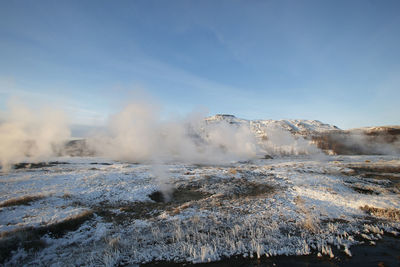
[137, 134]
[26, 133]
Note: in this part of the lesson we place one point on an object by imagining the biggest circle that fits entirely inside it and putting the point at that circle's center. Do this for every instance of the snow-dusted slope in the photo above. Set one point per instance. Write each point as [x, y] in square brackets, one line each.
[260, 127]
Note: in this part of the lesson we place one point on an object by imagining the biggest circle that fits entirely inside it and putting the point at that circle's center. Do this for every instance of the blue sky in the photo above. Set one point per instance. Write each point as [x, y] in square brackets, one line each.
[335, 61]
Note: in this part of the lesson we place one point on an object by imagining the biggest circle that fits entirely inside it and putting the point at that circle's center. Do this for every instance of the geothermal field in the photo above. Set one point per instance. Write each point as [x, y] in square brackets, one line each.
[219, 190]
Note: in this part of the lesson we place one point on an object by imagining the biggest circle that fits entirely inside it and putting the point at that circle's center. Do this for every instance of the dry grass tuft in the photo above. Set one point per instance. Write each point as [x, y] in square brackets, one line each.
[391, 214]
[29, 238]
[58, 228]
[232, 171]
[310, 222]
[299, 202]
[67, 195]
[114, 242]
[180, 208]
[24, 200]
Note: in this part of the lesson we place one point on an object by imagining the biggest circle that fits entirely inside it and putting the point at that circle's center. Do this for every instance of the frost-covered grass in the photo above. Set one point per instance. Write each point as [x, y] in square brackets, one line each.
[284, 206]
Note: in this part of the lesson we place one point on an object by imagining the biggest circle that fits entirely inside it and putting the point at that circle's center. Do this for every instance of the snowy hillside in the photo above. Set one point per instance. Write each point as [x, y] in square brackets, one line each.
[260, 127]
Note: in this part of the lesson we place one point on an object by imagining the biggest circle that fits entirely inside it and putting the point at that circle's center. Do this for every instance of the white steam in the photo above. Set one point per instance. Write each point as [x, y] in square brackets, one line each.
[238, 141]
[137, 134]
[130, 135]
[26, 133]
[281, 142]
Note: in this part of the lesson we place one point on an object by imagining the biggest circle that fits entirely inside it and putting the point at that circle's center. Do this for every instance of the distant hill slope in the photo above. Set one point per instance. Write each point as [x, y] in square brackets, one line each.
[330, 138]
[303, 127]
[367, 140]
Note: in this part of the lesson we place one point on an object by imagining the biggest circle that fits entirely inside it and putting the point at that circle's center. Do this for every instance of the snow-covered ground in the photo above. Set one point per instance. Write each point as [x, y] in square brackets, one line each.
[283, 206]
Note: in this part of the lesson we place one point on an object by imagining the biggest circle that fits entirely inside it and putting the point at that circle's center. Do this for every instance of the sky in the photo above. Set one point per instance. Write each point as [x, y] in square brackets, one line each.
[333, 61]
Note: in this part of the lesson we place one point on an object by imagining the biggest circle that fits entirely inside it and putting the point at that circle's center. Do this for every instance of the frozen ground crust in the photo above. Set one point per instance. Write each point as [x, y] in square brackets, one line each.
[284, 206]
